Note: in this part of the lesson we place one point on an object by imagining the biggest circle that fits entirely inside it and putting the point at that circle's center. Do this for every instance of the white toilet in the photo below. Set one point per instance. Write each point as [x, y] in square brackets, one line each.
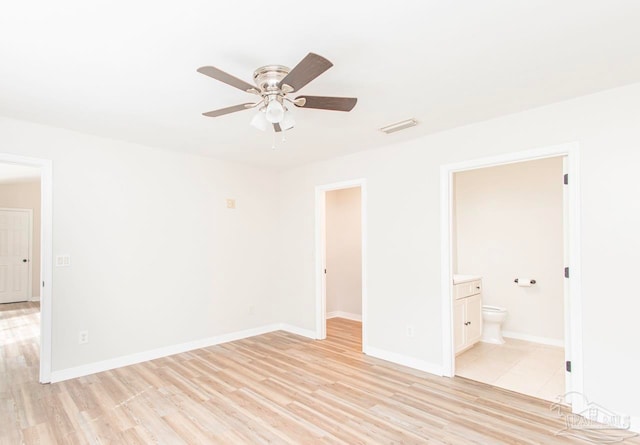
[492, 318]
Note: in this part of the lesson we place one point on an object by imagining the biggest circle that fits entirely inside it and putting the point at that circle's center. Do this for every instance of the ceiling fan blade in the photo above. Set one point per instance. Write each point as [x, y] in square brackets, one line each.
[327, 103]
[228, 79]
[304, 72]
[223, 111]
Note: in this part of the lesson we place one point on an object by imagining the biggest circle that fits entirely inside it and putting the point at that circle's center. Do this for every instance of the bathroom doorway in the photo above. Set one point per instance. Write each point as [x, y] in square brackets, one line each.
[509, 237]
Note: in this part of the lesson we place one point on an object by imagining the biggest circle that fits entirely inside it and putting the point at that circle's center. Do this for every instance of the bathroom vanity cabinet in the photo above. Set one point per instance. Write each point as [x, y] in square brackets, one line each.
[467, 312]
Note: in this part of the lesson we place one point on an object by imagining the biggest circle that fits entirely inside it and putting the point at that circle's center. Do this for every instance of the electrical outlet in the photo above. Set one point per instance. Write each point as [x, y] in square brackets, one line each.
[409, 331]
[251, 309]
[83, 337]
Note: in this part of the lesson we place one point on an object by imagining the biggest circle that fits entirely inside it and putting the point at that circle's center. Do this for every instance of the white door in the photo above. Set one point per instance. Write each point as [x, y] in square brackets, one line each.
[15, 237]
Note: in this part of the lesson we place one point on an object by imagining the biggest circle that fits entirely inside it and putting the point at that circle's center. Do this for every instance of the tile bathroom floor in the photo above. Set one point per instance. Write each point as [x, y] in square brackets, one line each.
[525, 367]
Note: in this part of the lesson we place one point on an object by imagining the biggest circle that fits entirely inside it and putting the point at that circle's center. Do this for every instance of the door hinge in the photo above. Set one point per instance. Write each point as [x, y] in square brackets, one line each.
[566, 272]
[325, 271]
[568, 365]
[566, 178]
[43, 284]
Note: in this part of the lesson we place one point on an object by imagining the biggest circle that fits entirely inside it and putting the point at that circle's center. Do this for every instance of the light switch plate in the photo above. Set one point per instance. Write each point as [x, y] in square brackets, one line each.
[63, 260]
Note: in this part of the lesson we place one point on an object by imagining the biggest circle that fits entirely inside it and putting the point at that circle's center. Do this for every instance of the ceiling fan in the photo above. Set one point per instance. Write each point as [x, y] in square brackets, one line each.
[273, 83]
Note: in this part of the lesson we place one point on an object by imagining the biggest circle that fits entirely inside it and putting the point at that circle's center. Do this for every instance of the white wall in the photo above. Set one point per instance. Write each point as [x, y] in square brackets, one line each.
[156, 258]
[344, 252]
[509, 225]
[403, 232]
[26, 195]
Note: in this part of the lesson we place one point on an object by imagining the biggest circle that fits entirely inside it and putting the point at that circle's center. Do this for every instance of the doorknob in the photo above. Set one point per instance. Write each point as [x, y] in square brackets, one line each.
[24, 260]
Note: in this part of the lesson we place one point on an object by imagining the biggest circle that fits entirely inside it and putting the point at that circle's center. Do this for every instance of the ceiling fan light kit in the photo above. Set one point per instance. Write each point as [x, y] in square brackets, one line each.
[274, 111]
[260, 121]
[288, 121]
[273, 83]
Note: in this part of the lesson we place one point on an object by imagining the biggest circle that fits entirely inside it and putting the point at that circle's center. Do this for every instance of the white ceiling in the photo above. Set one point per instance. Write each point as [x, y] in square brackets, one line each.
[127, 69]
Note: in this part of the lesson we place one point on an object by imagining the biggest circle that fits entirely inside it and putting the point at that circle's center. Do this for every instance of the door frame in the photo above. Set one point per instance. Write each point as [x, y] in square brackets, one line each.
[46, 253]
[321, 254]
[573, 300]
[29, 212]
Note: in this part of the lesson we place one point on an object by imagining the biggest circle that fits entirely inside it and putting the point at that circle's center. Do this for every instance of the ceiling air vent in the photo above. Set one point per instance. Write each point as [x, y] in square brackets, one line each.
[399, 126]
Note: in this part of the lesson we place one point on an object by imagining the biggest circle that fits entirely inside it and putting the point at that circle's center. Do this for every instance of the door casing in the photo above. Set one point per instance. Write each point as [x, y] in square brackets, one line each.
[573, 300]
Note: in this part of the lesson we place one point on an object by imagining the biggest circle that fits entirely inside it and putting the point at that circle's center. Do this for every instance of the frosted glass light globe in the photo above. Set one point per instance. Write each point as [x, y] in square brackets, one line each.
[275, 111]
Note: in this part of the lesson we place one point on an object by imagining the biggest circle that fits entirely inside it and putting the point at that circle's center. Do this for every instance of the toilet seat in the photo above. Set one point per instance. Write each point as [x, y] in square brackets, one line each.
[494, 309]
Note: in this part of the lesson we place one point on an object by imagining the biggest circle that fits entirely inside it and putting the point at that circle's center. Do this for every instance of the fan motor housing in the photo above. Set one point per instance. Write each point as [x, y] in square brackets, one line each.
[267, 77]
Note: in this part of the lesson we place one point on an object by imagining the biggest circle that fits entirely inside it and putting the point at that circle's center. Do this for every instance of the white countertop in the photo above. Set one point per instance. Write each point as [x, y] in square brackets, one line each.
[457, 279]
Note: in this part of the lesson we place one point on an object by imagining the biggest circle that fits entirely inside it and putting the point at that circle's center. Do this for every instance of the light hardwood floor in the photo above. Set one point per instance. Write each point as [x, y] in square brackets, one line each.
[273, 388]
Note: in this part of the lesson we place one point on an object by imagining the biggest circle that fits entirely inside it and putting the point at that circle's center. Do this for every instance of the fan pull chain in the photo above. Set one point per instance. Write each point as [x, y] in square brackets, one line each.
[273, 144]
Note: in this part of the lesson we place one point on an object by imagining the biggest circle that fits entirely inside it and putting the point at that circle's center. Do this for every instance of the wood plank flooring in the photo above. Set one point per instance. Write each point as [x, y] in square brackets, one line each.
[273, 388]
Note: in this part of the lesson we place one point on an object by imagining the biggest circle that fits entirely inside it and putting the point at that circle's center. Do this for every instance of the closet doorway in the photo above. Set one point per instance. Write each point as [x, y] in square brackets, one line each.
[340, 255]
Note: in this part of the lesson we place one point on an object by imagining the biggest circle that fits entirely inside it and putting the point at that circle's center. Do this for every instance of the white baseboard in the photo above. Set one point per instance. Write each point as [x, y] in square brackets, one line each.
[404, 360]
[298, 331]
[533, 338]
[635, 424]
[132, 359]
[342, 314]
[35, 299]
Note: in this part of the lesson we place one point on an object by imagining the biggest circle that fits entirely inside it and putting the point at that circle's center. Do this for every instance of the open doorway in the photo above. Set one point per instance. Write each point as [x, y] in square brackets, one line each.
[542, 306]
[25, 267]
[20, 229]
[508, 244]
[341, 243]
